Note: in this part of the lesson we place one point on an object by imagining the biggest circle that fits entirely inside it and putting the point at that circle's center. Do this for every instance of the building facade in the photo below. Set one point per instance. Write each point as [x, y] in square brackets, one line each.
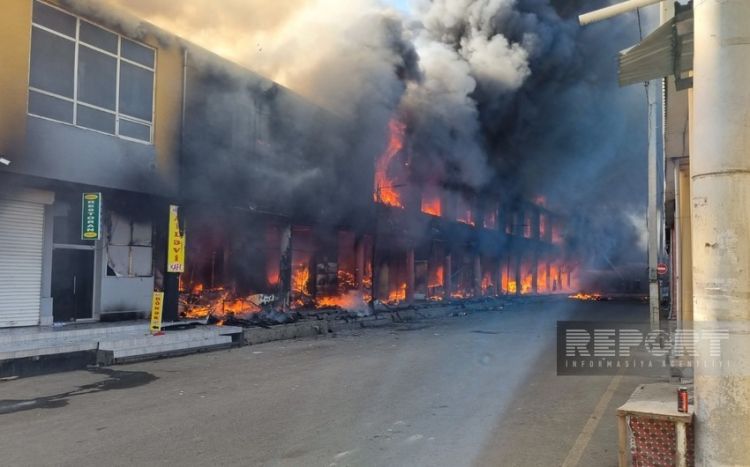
[87, 107]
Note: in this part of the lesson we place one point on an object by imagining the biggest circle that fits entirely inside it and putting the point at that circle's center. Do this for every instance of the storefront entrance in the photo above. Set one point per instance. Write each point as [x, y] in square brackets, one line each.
[72, 284]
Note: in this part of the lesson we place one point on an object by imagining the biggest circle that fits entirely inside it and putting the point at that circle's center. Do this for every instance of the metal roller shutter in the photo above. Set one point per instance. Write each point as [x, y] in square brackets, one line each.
[21, 240]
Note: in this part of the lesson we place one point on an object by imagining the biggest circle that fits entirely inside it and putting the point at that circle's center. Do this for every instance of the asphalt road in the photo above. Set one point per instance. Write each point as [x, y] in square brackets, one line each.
[470, 390]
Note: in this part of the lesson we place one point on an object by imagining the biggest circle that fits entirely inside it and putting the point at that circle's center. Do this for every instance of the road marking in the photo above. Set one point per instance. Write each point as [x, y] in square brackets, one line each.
[574, 456]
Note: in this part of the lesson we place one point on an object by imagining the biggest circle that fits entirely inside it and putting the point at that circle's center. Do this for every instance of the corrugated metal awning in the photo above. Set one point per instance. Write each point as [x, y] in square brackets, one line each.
[667, 51]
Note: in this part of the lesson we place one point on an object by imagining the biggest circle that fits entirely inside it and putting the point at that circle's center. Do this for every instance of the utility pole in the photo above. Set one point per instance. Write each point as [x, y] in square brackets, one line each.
[653, 224]
[720, 174]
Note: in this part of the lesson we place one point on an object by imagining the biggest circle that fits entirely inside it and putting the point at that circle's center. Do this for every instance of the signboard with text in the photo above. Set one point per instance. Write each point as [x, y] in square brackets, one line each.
[91, 216]
[157, 305]
[176, 243]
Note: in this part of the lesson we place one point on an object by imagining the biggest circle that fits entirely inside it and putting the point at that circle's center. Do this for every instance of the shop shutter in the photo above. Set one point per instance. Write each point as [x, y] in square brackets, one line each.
[21, 240]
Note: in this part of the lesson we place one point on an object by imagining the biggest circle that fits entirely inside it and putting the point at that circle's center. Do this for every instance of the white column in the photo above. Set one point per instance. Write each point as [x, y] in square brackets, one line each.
[720, 171]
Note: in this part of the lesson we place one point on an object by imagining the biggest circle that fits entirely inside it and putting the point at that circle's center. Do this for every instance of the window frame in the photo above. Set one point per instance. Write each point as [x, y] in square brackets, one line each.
[118, 58]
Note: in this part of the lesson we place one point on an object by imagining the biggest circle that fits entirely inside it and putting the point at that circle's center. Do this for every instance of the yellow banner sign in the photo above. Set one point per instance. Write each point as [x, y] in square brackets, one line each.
[157, 305]
[176, 243]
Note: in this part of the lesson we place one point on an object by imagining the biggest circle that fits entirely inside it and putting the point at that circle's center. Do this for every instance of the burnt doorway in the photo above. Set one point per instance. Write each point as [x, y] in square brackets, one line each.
[72, 284]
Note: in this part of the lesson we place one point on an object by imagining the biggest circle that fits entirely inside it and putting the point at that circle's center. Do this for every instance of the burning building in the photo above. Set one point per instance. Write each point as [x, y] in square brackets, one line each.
[285, 204]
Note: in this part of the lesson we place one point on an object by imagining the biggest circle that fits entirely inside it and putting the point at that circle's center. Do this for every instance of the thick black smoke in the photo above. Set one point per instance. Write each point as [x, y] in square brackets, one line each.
[506, 97]
[544, 112]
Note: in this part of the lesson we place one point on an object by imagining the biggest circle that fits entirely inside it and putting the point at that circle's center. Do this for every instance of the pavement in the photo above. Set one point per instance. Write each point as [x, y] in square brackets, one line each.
[471, 390]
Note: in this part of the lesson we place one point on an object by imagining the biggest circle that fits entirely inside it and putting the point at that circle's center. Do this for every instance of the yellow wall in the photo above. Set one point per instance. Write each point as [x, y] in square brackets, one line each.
[15, 31]
[168, 115]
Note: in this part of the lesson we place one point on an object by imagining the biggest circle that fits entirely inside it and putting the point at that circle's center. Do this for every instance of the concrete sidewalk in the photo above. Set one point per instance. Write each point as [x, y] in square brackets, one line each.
[38, 350]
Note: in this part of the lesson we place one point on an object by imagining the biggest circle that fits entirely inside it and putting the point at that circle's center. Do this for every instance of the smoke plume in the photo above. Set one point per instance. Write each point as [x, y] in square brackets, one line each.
[500, 96]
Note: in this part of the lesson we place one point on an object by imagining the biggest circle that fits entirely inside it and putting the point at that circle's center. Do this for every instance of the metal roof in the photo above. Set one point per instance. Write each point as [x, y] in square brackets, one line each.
[666, 51]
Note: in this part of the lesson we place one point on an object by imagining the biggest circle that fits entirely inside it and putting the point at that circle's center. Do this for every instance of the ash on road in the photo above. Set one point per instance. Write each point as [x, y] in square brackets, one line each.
[479, 389]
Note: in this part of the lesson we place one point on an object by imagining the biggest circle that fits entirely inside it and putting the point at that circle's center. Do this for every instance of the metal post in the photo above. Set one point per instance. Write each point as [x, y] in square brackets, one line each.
[653, 224]
[614, 10]
[720, 172]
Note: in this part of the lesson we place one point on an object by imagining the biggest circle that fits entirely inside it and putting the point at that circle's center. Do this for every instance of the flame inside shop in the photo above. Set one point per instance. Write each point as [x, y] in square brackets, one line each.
[427, 242]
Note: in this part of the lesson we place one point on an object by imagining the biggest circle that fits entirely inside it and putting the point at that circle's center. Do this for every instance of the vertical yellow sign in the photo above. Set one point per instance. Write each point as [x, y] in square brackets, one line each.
[157, 305]
[176, 243]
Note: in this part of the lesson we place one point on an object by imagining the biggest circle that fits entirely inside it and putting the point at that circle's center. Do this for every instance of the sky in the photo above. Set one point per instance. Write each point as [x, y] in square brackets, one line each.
[402, 5]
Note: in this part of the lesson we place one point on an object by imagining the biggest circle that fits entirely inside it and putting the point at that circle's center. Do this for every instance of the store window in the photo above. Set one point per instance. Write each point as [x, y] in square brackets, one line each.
[90, 77]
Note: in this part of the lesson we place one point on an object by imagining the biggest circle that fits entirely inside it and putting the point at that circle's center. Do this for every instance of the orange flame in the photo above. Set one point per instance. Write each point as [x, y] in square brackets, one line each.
[437, 279]
[431, 203]
[586, 296]
[300, 279]
[300, 284]
[385, 190]
[460, 294]
[218, 303]
[541, 274]
[436, 283]
[555, 278]
[397, 295]
[352, 300]
[526, 284]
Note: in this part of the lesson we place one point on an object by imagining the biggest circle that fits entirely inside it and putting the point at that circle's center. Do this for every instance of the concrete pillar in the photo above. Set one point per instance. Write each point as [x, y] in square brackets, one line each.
[720, 170]
[448, 276]
[410, 275]
[477, 276]
[685, 250]
[383, 281]
[285, 268]
[359, 258]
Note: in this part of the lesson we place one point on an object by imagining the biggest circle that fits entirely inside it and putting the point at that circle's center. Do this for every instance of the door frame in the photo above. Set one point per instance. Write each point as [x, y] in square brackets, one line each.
[94, 276]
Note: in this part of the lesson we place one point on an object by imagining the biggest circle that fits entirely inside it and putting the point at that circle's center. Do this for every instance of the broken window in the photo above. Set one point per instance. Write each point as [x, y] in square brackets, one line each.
[129, 249]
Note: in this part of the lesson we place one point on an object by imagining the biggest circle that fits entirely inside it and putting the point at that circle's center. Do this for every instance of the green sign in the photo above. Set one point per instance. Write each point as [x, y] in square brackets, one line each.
[91, 216]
